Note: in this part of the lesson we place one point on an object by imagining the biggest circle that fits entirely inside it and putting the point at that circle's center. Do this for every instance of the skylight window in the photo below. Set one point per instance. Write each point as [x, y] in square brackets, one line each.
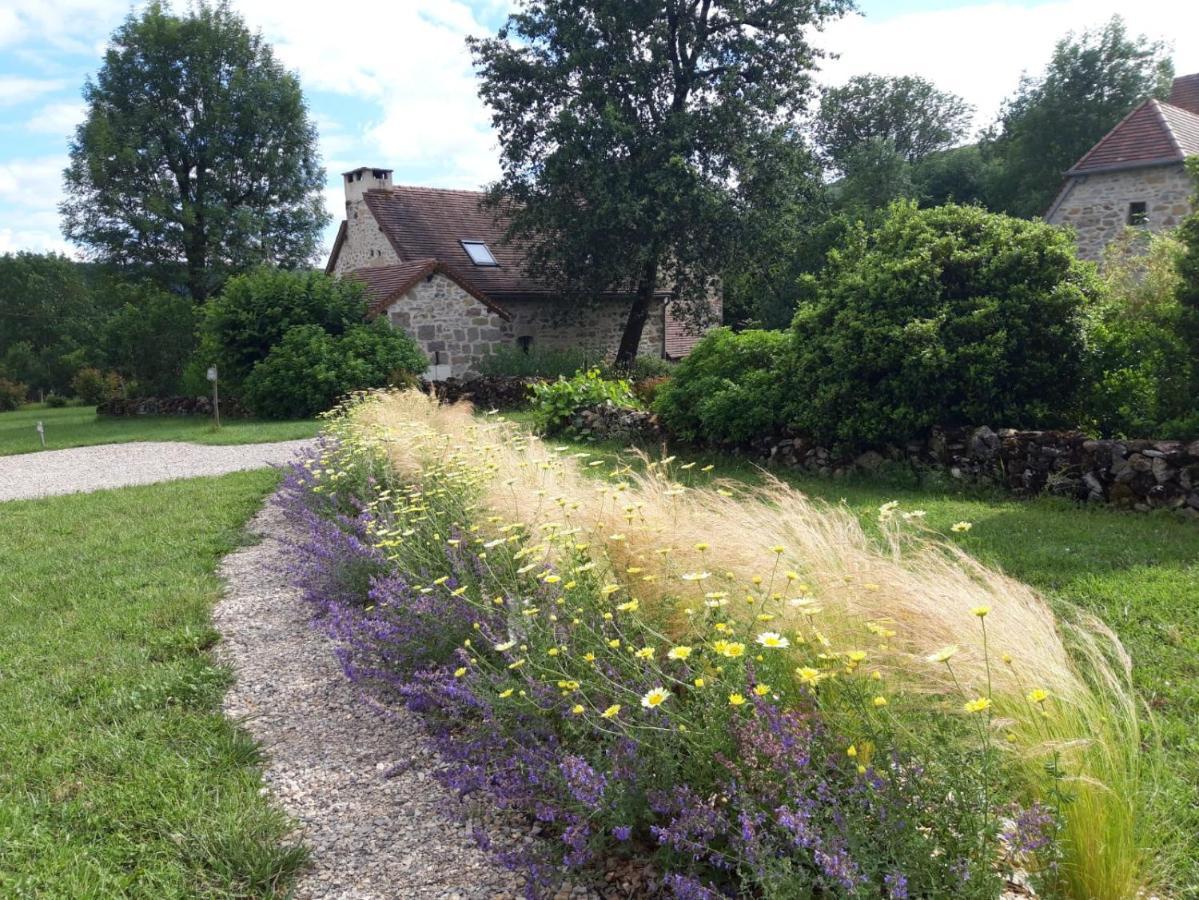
[478, 253]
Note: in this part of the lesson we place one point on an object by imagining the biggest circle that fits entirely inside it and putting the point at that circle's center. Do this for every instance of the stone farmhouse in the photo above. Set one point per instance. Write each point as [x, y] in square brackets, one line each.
[1135, 175]
[437, 264]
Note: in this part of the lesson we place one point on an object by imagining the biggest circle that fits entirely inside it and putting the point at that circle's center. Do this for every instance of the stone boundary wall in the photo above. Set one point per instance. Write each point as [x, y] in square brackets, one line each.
[169, 406]
[1140, 474]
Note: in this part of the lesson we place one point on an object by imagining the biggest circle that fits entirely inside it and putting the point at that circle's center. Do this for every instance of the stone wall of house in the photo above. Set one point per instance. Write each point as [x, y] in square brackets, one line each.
[451, 326]
[365, 244]
[595, 326]
[1097, 205]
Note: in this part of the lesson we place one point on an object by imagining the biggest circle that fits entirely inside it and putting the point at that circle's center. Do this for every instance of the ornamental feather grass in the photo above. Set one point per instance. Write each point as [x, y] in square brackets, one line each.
[892, 588]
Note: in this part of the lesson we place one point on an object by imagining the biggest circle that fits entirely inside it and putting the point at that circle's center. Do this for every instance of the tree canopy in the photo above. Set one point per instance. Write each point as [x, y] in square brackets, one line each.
[1092, 81]
[623, 127]
[197, 157]
[909, 114]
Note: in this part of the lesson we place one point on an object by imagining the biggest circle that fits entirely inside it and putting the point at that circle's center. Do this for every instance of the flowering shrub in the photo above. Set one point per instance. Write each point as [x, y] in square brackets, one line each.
[737, 731]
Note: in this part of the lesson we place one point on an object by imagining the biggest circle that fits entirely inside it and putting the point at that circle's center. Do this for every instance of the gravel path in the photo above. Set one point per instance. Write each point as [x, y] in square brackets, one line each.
[358, 780]
[81, 469]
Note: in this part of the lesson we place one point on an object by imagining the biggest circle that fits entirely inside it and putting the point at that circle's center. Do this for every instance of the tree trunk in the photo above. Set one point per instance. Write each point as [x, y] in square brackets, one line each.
[638, 313]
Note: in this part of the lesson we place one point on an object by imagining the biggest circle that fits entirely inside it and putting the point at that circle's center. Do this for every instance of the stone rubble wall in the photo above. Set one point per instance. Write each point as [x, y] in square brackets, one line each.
[1141, 474]
[609, 422]
[450, 325]
[1096, 205]
[596, 326]
[169, 406]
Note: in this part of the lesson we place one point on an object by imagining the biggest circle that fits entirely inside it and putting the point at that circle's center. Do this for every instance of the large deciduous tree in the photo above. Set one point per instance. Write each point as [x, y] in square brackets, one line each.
[624, 126]
[197, 157]
[1091, 82]
[908, 113]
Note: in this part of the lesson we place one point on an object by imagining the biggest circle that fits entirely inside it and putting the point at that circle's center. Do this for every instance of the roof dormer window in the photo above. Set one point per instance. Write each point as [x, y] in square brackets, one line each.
[478, 253]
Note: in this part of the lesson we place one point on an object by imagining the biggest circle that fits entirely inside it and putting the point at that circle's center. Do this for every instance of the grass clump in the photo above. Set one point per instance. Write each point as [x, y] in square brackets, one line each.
[118, 774]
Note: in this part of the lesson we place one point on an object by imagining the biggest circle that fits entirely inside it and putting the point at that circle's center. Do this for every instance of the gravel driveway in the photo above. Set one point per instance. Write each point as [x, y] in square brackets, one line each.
[82, 469]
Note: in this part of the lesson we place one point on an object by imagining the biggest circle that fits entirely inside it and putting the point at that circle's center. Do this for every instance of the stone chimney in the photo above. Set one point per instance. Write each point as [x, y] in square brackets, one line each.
[365, 179]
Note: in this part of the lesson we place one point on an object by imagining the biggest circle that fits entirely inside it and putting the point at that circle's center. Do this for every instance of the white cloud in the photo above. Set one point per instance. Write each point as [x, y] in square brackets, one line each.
[56, 119]
[979, 52]
[16, 89]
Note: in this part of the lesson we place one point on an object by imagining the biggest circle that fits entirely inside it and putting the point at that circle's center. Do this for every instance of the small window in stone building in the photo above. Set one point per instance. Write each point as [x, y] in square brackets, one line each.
[525, 342]
[478, 253]
[1138, 213]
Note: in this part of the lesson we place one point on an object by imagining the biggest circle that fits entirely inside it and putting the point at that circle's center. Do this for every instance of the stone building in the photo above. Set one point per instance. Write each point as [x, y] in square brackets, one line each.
[437, 264]
[1135, 175]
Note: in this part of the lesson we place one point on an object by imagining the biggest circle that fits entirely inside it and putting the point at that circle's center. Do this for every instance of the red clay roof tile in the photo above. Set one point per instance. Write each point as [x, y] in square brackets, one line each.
[1154, 132]
[1185, 93]
[385, 284]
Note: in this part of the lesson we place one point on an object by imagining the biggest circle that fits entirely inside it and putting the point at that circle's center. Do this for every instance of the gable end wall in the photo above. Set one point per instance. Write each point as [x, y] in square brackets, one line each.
[364, 245]
[1096, 205]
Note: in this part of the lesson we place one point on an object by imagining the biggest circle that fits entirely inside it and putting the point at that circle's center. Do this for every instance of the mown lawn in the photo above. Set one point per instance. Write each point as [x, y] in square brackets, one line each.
[79, 426]
[118, 774]
[1138, 572]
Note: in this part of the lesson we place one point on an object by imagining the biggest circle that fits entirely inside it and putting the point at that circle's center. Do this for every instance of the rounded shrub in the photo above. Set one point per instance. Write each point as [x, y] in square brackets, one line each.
[730, 389]
[943, 316]
[12, 394]
[310, 369]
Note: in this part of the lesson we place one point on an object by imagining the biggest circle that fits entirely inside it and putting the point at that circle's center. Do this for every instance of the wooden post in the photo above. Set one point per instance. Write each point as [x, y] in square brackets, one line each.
[216, 396]
[41, 432]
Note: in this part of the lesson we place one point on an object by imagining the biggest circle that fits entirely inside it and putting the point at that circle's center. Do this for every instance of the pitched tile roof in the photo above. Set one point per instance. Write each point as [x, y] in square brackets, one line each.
[431, 223]
[1185, 93]
[1154, 133]
[385, 284]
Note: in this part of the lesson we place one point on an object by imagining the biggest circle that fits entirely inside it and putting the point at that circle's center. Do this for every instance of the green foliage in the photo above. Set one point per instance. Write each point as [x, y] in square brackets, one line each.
[1139, 367]
[12, 394]
[629, 156]
[310, 369]
[960, 175]
[908, 113]
[48, 319]
[196, 147]
[1092, 81]
[94, 387]
[149, 337]
[254, 311]
[1188, 274]
[941, 316]
[544, 362]
[55, 401]
[732, 388]
[555, 402]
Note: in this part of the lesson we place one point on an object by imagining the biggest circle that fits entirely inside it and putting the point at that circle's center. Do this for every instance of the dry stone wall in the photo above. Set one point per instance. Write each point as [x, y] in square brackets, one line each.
[452, 327]
[595, 326]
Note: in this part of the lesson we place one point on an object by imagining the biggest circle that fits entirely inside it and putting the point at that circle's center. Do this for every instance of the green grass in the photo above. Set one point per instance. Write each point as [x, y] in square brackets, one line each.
[79, 426]
[1138, 572]
[119, 777]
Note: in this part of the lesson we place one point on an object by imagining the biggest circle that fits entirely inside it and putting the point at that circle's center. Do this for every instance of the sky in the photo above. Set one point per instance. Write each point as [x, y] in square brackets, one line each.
[389, 82]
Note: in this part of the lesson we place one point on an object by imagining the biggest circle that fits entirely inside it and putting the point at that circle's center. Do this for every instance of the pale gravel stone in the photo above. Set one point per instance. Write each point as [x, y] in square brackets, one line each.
[83, 469]
[330, 753]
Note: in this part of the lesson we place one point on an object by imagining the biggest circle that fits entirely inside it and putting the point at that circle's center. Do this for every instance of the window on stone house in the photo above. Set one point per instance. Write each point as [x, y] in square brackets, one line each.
[1138, 213]
[478, 252]
[525, 342]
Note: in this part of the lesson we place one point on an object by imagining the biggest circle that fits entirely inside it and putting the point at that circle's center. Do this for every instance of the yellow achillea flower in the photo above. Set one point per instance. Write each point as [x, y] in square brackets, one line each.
[696, 576]
[458, 673]
[631, 606]
[944, 655]
[609, 589]
[701, 546]
[589, 657]
[679, 652]
[504, 695]
[614, 643]
[778, 549]
[577, 709]
[762, 689]
[611, 712]
[504, 647]
[959, 527]
[732, 649]
[773, 640]
[736, 699]
[981, 704]
[852, 751]
[645, 653]
[552, 579]
[880, 701]
[699, 682]
[981, 611]
[1038, 695]
[655, 697]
